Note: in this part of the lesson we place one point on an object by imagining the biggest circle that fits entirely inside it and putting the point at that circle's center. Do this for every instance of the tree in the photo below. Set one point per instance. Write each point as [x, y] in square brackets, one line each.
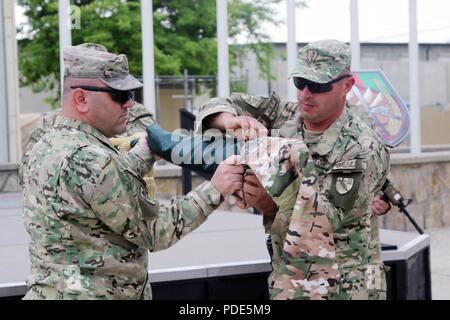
[184, 35]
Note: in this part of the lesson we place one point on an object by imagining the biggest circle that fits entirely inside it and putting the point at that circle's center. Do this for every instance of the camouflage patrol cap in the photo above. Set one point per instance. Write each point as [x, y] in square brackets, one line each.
[323, 61]
[93, 61]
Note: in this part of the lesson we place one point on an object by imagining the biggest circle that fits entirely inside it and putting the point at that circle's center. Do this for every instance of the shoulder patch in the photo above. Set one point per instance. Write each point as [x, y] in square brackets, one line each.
[345, 182]
[344, 185]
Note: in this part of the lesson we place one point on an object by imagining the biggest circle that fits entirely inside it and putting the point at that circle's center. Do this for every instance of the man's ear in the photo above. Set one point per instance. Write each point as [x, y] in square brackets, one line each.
[348, 84]
[80, 100]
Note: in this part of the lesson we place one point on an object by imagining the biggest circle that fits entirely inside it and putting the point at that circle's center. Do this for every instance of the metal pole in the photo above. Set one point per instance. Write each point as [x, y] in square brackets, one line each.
[65, 34]
[193, 94]
[354, 35]
[12, 81]
[186, 90]
[148, 56]
[4, 146]
[157, 99]
[414, 96]
[223, 76]
[291, 48]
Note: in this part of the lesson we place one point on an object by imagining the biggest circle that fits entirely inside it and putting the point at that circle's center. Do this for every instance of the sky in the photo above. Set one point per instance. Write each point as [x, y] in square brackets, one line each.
[379, 21]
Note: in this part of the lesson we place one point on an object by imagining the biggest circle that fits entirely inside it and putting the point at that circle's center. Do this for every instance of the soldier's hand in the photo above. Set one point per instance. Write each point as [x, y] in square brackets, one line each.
[124, 144]
[255, 196]
[228, 176]
[142, 143]
[380, 206]
[243, 127]
[252, 191]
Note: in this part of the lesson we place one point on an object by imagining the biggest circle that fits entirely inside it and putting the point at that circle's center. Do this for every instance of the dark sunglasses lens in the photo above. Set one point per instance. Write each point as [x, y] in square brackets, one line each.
[313, 87]
[322, 87]
[299, 83]
[121, 96]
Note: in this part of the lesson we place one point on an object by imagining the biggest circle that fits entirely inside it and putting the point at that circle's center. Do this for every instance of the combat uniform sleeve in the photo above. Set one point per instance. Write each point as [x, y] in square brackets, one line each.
[139, 118]
[141, 159]
[45, 123]
[118, 197]
[271, 111]
[123, 144]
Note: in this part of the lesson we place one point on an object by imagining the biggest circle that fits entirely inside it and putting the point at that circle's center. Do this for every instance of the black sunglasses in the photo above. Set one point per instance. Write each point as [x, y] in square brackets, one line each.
[314, 87]
[120, 96]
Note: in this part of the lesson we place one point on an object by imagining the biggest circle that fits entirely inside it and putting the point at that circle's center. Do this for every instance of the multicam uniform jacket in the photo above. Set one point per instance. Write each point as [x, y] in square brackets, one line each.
[138, 119]
[325, 239]
[90, 219]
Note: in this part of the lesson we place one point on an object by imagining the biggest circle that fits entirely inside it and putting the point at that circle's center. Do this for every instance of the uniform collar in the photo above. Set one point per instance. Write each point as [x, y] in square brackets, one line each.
[330, 136]
[83, 127]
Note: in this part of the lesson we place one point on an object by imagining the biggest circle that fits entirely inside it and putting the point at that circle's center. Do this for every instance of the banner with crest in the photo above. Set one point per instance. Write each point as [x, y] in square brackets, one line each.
[389, 113]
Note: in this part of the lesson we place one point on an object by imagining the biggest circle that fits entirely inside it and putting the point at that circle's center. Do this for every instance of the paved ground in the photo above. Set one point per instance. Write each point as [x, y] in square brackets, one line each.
[440, 263]
[12, 233]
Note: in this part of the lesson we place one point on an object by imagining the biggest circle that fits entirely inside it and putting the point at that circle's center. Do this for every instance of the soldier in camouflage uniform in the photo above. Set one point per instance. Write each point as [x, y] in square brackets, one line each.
[325, 237]
[138, 119]
[86, 207]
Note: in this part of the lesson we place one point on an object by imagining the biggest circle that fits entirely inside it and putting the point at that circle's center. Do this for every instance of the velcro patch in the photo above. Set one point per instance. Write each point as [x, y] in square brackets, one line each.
[344, 185]
[252, 100]
[354, 165]
[345, 165]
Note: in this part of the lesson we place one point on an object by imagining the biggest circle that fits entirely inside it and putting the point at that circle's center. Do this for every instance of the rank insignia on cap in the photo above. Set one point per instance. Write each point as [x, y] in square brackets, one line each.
[311, 56]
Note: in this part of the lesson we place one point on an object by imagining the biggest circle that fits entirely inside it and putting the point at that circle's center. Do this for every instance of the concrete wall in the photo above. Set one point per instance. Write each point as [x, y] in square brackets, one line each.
[426, 180]
[435, 124]
[434, 79]
[169, 114]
